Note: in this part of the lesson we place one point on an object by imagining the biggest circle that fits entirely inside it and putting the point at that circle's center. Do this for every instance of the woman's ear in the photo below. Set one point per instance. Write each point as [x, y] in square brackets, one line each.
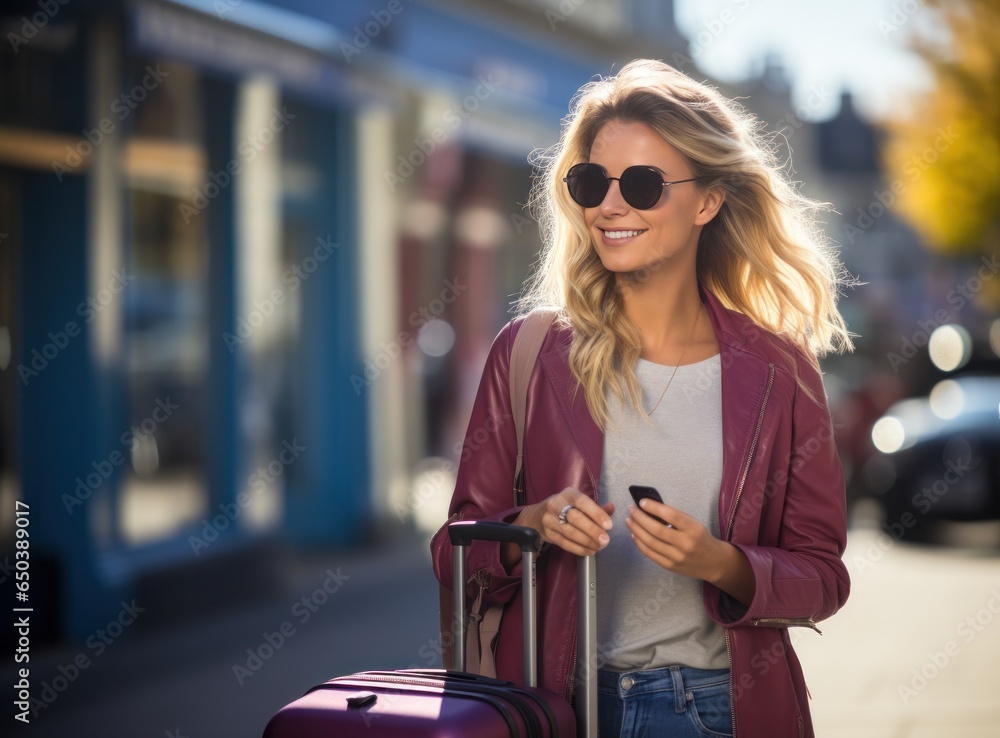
[710, 205]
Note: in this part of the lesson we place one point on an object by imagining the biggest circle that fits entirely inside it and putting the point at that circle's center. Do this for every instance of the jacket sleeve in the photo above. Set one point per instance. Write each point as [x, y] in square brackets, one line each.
[803, 578]
[484, 488]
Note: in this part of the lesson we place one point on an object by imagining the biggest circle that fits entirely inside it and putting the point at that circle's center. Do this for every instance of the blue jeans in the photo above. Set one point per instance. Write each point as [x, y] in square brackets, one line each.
[676, 701]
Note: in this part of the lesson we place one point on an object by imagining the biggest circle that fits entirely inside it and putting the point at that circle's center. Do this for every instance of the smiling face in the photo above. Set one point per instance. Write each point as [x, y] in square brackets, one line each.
[626, 239]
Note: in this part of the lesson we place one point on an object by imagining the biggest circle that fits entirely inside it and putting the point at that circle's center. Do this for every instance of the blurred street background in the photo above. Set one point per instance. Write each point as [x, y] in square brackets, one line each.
[252, 257]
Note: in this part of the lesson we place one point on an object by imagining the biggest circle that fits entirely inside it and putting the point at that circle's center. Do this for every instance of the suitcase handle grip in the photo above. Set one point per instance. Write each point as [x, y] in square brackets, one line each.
[463, 532]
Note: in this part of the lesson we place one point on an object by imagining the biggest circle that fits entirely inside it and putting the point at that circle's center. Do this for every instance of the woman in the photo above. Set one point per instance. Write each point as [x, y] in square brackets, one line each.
[695, 293]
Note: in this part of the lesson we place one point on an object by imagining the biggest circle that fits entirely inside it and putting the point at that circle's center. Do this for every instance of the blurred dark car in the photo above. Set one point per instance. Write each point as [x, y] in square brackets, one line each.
[939, 458]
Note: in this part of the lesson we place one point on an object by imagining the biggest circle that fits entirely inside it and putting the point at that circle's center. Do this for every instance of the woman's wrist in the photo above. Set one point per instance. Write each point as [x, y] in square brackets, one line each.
[526, 517]
[734, 575]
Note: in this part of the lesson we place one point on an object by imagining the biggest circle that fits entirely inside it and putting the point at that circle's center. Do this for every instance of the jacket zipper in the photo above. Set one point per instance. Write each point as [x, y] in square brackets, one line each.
[572, 670]
[732, 520]
[753, 447]
[786, 623]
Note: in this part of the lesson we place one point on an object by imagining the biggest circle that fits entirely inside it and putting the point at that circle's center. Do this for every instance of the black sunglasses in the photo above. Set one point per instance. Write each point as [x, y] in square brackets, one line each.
[640, 186]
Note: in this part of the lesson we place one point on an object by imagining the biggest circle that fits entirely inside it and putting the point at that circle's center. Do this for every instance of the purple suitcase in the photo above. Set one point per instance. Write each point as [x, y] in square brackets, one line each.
[436, 702]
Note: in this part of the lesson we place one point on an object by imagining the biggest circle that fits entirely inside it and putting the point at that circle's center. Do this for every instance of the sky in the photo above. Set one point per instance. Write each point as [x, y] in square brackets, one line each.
[854, 44]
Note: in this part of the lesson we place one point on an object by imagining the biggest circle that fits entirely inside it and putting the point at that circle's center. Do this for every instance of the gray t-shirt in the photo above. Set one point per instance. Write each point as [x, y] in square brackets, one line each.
[648, 617]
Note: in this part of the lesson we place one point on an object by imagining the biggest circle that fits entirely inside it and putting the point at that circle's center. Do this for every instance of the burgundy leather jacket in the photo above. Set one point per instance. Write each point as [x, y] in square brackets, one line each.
[782, 502]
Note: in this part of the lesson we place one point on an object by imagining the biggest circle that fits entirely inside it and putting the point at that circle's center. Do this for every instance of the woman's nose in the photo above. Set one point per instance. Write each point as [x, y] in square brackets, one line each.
[613, 201]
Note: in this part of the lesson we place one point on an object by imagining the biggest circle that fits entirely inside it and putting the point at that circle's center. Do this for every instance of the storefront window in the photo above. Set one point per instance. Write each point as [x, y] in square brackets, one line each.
[166, 311]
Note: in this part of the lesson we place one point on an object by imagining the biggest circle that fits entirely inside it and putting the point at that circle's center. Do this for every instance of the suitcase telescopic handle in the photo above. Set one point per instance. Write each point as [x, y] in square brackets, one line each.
[462, 533]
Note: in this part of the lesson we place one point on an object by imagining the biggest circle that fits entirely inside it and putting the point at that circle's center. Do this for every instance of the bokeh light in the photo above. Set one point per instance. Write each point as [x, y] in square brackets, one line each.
[950, 347]
[888, 435]
[436, 337]
[995, 336]
[947, 399]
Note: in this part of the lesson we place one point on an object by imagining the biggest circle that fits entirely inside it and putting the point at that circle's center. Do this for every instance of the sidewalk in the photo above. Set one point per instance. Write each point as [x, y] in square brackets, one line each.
[914, 652]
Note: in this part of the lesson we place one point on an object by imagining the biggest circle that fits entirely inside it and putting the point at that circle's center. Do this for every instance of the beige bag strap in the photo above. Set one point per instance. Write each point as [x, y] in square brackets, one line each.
[473, 636]
[489, 629]
[483, 630]
[523, 355]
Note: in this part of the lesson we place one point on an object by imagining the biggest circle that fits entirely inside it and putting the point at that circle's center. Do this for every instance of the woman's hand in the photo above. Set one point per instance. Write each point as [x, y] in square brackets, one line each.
[587, 524]
[686, 547]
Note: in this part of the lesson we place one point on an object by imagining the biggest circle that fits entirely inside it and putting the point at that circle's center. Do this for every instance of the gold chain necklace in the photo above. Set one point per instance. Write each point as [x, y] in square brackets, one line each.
[679, 361]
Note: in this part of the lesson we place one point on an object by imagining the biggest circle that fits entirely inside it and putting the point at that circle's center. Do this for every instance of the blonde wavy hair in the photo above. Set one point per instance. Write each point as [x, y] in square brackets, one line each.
[764, 254]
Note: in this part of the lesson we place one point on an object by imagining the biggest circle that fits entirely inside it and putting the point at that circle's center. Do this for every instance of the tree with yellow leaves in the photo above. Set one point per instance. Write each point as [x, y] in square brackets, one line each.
[944, 152]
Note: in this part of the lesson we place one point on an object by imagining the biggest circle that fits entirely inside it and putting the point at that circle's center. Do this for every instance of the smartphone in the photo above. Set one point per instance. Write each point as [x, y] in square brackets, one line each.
[641, 492]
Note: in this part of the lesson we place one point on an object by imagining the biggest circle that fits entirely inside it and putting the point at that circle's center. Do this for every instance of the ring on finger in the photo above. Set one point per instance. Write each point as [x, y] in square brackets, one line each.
[564, 512]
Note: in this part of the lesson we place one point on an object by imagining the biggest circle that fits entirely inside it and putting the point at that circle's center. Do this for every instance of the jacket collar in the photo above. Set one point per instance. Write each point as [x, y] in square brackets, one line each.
[744, 378]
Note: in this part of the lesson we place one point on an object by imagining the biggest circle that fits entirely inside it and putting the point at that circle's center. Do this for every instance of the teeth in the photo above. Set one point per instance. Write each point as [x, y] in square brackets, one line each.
[622, 234]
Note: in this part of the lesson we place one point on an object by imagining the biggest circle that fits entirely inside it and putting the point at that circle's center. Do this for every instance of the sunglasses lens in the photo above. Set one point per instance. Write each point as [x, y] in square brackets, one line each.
[641, 187]
[588, 184]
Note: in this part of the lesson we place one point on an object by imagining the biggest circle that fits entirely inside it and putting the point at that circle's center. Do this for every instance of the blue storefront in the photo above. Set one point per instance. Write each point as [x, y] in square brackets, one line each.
[181, 227]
